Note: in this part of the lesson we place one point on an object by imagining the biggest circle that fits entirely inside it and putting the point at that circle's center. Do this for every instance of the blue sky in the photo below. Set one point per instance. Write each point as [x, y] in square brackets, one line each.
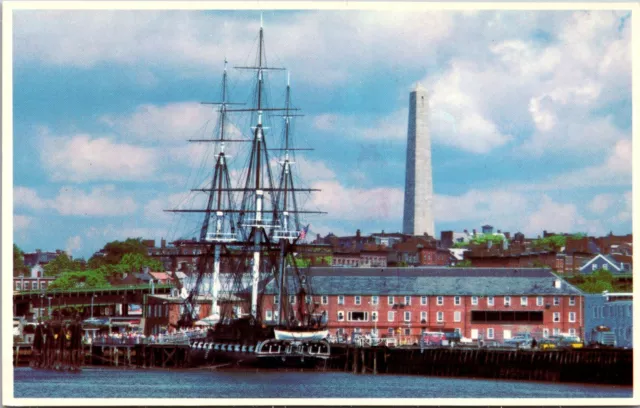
[530, 116]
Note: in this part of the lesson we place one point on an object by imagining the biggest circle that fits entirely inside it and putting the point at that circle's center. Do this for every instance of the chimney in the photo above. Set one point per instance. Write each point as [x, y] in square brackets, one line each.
[499, 231]
[466, 231]
[358, 233]
[163, 243]
[474, 232]
[557, 284]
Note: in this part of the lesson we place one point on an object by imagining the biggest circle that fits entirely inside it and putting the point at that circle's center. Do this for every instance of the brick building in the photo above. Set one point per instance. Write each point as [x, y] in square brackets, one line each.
[162, 311]
[488, 303]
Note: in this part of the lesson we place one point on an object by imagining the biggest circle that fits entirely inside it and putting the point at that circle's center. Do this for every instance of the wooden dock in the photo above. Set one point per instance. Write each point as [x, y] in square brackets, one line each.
[611, 366]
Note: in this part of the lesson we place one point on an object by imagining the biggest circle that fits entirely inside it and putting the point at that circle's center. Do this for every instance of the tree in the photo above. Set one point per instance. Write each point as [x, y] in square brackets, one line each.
[551, 243]
[19, 268]
[115, 250]
[464, 264]
[134, 262]
[62, 263]
[484, 238]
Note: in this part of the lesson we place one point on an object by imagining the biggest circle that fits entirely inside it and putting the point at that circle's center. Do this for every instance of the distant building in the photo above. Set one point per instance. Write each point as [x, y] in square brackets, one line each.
[489, 303]
[605, 262]
[39, 257]
[613, 311]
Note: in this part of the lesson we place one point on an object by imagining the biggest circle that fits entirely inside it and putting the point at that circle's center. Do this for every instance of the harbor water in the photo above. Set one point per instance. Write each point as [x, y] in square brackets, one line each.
[198, 383]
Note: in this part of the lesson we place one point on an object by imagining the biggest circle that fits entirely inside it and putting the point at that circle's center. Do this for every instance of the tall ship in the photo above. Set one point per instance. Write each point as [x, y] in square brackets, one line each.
[251, 250]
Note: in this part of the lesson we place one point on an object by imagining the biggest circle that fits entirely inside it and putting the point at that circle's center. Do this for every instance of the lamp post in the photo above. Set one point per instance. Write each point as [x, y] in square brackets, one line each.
[92, 296]
[49, 299]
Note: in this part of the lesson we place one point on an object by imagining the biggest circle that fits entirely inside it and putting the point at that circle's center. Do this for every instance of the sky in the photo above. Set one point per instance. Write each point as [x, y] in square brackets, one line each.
[529, 115]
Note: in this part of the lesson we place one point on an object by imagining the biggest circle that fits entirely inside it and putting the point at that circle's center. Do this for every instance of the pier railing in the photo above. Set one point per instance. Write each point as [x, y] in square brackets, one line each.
[177, 338]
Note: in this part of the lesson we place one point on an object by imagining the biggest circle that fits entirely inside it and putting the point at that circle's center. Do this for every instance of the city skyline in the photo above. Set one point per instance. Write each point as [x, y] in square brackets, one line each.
[527, 132]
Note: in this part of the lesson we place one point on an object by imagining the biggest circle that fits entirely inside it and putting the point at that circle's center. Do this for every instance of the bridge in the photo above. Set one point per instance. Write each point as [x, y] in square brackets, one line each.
[24, 301]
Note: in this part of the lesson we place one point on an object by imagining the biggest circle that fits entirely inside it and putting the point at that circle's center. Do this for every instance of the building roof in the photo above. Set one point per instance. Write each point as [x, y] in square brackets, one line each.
[611, 261]
[432, 281]
[159, 275]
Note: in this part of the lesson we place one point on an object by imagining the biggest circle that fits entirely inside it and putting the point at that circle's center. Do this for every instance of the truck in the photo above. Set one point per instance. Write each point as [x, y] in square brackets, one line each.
[602, 336]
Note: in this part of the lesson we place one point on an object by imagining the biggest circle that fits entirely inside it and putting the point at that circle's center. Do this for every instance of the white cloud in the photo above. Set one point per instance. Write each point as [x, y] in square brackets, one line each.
[24, 197]
[81, 158]
[513, 211]
[71, 201]
[73, 243]
[626, 213]
[101, 201]
[358, 204]
[559, 217]
[600, 203]
[174, 122]
[22, 222]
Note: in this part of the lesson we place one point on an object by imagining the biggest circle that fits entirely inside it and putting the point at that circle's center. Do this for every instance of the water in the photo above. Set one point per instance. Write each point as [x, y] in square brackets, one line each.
[196, 383]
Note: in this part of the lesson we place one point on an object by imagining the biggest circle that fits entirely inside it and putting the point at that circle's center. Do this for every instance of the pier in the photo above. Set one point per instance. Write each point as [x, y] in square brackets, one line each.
[602, 366]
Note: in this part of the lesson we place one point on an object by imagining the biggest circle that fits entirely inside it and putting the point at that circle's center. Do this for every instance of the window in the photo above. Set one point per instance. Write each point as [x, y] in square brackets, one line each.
[474, 300]
[292, 299]
[594, 267]
[456, 300]
[340, 316]
[440, 317]
[374, 316]
[391, 316]
[357, 316]
[375, 300]
[43, 285]
[556, 301]
[150, 311]
[269, 315]
[390, 300]
[275, 300]
[308, 299]
[490, 333]
[572, 332]
[407, 300]
[390, 331]
[572, 300]
[325, 300]
[18, 287]
[407, 332]
[556, 317]
[423, 300]
[490, 301]
[572, 317]
[341, 300]
[357, 300]
[507, 300]
[423, 317]
[440, 301]
[556, 331]
[539, 301]
[407, 316]
[545, 333]
[523, 300]
[456, 316]
[605, 267]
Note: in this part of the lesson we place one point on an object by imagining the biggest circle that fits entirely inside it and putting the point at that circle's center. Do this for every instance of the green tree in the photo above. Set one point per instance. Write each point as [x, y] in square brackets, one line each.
[19, 268]
[464, 264]
[62, 263]
[484, 238]
[134, 262]
[550, 243]
[115, 250]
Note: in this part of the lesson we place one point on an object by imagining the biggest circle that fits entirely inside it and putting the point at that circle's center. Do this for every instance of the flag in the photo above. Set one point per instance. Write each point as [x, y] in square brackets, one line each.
[304, 231]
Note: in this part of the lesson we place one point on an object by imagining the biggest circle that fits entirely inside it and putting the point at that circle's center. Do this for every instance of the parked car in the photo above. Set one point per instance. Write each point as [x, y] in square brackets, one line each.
[520, 340]
[570, 342]
[547, 344]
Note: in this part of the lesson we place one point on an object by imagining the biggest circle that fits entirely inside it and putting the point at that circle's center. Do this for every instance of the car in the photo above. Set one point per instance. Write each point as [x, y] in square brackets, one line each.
[520, 340]
[570, 342]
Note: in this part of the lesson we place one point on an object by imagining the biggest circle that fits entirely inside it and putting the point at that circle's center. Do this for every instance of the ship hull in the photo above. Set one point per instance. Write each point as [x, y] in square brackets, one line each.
[266, 354]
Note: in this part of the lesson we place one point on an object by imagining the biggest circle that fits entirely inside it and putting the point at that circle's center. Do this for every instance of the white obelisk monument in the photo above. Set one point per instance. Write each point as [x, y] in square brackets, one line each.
[418, 190]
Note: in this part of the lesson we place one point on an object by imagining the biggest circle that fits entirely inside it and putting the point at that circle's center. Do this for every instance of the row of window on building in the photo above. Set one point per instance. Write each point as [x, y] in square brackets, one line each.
[611, 311]
[491, 333]
[457, 300]
[359, 316]
[31, 285]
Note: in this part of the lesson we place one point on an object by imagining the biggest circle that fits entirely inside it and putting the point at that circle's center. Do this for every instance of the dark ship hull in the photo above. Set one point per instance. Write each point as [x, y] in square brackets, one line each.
[241, 344]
